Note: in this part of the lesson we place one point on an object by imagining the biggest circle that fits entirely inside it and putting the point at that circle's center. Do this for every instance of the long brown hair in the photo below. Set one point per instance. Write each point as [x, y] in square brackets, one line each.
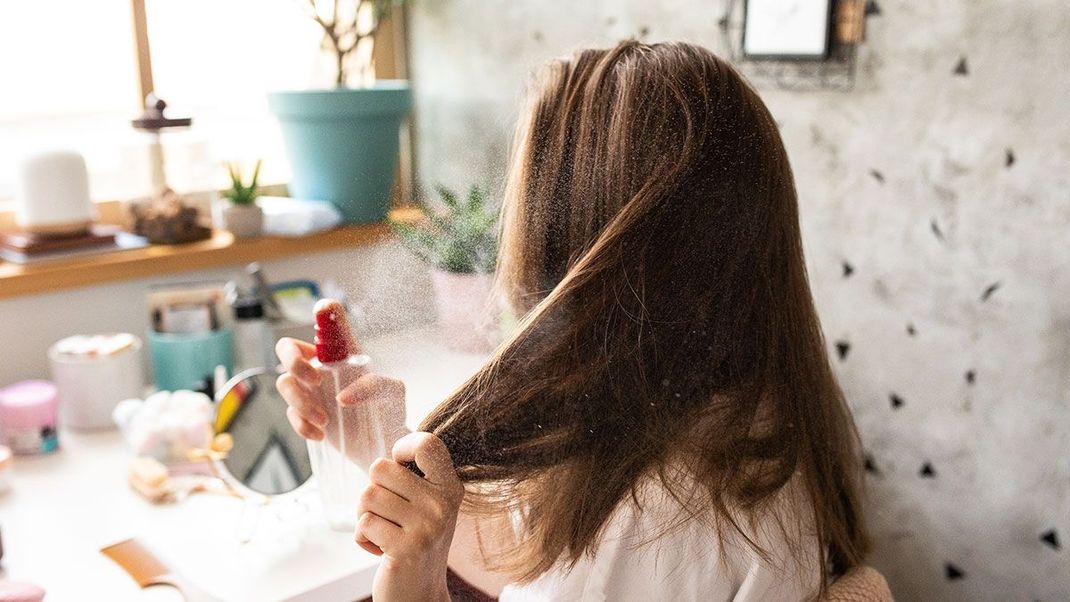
[651, 237]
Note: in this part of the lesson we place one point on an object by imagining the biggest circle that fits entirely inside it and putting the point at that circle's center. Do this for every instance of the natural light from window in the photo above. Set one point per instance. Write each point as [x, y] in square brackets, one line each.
[68, 79]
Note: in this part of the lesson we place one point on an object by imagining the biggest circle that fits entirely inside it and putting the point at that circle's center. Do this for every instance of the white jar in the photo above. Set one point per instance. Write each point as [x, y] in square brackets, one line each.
[6, 468]
[93, 374]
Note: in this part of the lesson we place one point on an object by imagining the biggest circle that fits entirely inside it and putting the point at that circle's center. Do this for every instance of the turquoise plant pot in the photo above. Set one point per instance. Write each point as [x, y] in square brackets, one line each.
[343, 145]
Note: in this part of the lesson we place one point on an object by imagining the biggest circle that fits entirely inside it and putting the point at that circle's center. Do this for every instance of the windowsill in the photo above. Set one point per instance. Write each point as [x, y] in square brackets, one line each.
[156, 260]
[114, 212]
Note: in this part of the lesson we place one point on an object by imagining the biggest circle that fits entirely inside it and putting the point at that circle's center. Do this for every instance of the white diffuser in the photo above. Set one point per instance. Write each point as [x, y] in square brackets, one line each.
[52, 194]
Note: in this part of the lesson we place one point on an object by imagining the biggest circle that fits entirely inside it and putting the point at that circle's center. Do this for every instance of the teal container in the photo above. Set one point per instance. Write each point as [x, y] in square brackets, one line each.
[343, 145]
[184, 361]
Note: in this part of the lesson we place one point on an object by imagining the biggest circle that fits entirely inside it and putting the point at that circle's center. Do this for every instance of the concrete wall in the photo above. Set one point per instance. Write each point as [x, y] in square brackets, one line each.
[935, 210]
[387, 288]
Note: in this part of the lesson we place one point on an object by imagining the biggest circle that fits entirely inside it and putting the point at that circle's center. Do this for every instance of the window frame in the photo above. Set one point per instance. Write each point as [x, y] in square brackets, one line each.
[390, 58]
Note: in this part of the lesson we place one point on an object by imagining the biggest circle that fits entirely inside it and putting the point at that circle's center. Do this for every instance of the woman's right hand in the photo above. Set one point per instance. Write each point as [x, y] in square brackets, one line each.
[300, 387]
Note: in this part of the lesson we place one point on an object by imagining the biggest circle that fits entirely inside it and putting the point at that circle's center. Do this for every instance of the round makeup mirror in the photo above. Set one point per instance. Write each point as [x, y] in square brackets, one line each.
[268, 458]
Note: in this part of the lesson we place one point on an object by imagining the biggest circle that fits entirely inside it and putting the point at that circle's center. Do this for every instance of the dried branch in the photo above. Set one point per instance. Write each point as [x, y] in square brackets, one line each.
[314, 14]
[338, 35]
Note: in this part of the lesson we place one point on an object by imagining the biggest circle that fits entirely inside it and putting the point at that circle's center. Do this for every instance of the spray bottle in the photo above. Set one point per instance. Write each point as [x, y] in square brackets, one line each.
[355, 435]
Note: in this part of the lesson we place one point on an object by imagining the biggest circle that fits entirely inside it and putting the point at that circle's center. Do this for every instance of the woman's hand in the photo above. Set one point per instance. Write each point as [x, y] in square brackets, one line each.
[300, 387]
[410, 520]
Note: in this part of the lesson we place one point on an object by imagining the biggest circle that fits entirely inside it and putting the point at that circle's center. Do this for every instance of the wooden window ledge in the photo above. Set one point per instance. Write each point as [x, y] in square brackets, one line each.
[157, 260]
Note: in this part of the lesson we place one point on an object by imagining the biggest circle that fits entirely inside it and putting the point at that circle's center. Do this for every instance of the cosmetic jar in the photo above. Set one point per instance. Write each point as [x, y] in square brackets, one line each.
[6, 468]
[28, 417]
[13, 591]
[93, 374]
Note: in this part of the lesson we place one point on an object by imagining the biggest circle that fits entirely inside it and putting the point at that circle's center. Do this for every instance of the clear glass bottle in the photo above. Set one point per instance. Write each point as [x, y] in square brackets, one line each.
[355, 435]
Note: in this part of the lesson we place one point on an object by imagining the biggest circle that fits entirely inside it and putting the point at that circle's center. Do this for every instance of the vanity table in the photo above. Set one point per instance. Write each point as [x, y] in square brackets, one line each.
[64, 507]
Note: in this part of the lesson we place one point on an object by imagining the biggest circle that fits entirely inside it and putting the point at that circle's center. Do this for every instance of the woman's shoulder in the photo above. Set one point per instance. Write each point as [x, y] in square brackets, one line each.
[655, 547]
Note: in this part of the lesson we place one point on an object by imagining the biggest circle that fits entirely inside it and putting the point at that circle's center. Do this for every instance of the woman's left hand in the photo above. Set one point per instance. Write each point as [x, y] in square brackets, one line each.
[410, 520]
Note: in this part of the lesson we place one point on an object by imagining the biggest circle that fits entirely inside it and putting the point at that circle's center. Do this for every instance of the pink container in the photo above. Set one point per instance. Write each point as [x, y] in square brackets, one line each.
[12, 591]
[28, 417]
[464, 310]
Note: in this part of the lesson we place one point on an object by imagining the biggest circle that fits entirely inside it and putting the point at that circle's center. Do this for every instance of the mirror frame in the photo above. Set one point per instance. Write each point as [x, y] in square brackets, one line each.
[221, 468]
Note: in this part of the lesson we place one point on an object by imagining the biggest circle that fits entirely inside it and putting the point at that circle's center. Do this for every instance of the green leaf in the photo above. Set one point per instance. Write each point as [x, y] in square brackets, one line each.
[256, 174]
[476, 198]
[438, 221]
[448, 196]
[416, 241]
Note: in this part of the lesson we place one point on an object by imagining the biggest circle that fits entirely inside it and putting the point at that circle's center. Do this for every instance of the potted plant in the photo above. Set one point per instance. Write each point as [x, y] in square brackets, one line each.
[241, 215]
[343, 142]
[460, 243]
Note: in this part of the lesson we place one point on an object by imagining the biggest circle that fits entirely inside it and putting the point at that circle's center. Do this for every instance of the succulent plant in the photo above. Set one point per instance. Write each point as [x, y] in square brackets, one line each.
[239, 192]
[460, 236]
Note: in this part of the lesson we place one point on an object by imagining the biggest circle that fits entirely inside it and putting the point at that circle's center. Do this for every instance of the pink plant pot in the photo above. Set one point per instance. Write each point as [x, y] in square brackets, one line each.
[465, 313]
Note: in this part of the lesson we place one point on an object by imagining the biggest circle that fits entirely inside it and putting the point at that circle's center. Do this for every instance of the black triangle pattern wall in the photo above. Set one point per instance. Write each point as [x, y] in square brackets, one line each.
[907, 464]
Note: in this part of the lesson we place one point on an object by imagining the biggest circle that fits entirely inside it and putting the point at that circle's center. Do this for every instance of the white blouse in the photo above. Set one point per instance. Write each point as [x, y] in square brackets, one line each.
[683, 564]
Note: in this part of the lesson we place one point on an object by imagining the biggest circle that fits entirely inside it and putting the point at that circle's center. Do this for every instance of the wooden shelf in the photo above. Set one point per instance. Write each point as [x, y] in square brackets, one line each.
[157, 260]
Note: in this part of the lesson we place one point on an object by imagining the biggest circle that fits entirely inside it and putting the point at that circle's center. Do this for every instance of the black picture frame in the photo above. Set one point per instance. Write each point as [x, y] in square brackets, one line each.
[821, 56]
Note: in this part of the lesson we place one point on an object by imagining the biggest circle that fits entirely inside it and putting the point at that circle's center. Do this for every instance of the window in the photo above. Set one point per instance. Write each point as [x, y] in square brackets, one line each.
[215, 61]
[69, 79]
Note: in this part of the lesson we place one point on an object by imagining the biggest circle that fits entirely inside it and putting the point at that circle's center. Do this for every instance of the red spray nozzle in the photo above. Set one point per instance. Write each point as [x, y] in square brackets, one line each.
[334, 340]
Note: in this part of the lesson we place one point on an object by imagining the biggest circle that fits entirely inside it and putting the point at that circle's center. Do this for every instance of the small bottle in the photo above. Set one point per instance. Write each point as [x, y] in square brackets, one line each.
[355, 435]
[253, 339]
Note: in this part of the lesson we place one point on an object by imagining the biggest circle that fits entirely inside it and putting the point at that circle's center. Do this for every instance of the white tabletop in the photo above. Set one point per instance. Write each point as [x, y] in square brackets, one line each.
[64, 507]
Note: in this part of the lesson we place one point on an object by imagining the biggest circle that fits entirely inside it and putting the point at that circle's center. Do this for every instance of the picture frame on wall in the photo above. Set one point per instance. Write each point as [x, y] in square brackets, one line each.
[787, 29]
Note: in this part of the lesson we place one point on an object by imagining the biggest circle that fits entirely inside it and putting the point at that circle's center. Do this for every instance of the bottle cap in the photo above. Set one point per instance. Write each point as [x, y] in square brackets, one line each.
[248, 309]
[334, 341]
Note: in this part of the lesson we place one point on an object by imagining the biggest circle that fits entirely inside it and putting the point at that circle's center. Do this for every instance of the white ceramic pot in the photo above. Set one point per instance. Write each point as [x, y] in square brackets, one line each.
[243, 221]
[465, 313]
[90, 386]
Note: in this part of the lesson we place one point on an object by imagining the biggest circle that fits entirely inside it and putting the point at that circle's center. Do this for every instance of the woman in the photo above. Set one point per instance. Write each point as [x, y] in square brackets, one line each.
[664, 424]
